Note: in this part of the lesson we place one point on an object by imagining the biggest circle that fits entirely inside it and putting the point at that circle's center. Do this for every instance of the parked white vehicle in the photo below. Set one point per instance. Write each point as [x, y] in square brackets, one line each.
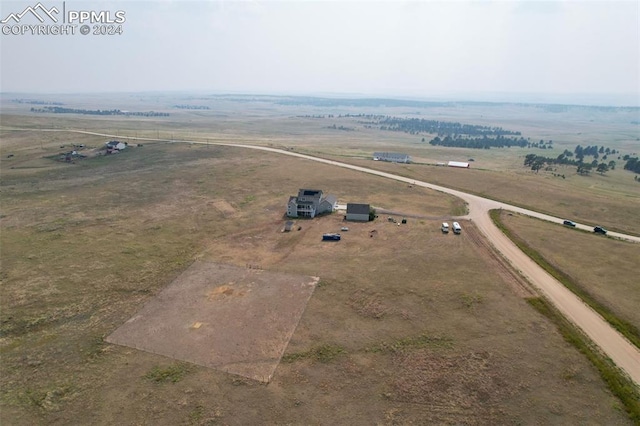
[456, 228]
[445, 227]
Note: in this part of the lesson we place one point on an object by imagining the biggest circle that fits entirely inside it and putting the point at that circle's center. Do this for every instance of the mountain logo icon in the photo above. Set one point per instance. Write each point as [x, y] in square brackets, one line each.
[39, 11]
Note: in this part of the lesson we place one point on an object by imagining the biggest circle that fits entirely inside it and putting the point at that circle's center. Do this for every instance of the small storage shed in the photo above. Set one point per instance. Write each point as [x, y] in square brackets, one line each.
[358, 212]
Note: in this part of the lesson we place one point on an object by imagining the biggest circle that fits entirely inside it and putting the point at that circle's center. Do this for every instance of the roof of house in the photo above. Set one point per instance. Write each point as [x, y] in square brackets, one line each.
[310, 193]
[354, 208]
[331, 199]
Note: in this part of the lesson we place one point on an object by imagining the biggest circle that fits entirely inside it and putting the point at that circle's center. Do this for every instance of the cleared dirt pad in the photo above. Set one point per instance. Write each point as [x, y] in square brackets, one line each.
[220, 316]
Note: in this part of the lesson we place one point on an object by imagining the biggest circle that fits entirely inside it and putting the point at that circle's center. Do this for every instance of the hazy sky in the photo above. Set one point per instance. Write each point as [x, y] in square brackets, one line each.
[417, 48]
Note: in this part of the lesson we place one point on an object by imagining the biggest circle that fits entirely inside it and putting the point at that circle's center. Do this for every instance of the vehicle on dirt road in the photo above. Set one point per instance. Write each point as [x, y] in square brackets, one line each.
[569, 223]
[600, 230]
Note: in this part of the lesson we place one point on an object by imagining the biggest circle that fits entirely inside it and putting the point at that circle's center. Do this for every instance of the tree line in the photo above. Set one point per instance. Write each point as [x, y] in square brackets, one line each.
[191, 106]
[60, 110]
[537, 162]
[483, 142]
[35, 102]
[441, 128]
[577, 159]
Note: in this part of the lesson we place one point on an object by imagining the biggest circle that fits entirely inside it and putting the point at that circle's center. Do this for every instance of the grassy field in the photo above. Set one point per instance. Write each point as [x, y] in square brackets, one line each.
[402, 328]
[605, 270]
[611, 200]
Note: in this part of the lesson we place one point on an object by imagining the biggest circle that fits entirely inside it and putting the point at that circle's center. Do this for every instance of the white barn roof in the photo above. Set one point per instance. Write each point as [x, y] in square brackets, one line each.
[458, 164]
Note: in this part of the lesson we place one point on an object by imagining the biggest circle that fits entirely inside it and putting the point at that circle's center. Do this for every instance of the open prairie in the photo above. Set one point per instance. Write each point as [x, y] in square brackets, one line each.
[406, 325]
[611, 199]
[605, 268]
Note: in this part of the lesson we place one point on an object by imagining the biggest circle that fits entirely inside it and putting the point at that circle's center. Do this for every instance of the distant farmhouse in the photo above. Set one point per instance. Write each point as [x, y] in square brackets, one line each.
[113, 146]
[393, 157]
[310, 203]
[358, 212]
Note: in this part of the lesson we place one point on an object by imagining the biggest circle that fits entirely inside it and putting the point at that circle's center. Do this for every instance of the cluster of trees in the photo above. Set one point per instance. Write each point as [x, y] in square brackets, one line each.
[191, 107]
[542, 144]
[334, 127]
[593, 151]
[441, 128]
[632, 164]
[537, 162]
[483, 142]
[60, 110]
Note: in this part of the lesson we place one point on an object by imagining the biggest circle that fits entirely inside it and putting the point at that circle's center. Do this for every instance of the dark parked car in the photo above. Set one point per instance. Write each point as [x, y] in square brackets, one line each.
[330, 237]
[600, 230]
[569, 223]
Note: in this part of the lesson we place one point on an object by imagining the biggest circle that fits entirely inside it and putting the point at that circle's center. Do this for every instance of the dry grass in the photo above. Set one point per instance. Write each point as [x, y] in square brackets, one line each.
[605, 268]
[85, 245]
[451, 384]
[611, 200]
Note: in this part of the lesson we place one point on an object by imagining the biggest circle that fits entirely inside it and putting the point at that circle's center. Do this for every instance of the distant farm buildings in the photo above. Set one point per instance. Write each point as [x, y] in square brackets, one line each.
[393, 157]
[115, 146]
[310, 203]
[460, 164]
[358, 212]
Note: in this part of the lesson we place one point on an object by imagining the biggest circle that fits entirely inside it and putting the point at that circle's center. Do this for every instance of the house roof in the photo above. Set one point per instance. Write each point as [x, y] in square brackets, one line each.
[354, 208]
[331, 199]
[310, 193]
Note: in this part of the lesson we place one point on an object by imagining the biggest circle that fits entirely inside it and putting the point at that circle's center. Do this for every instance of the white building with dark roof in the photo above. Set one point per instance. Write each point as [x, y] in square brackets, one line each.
[310, 203]
[393, 157]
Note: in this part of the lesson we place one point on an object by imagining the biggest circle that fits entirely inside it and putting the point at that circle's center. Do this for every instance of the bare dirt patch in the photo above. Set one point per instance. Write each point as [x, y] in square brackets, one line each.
[220, 316]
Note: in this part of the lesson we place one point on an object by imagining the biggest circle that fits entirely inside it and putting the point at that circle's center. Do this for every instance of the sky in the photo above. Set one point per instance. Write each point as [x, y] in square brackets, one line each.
[483, 50]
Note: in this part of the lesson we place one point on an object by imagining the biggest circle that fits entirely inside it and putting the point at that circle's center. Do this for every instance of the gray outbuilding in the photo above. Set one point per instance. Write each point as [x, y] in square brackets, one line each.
[358, 212]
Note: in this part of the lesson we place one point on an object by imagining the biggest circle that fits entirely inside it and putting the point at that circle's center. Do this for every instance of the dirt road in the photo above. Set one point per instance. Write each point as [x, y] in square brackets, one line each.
[625, 355]
[615, 346]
